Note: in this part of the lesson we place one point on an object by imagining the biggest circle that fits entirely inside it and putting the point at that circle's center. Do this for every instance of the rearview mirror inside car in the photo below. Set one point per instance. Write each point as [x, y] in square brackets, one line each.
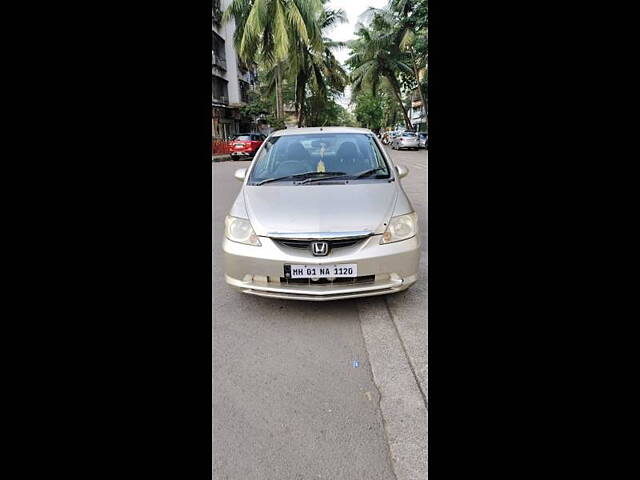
[402, 171]
[240, 174]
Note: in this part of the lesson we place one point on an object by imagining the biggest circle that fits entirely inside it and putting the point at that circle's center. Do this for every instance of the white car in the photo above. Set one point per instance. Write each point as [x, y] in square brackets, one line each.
[406, 140]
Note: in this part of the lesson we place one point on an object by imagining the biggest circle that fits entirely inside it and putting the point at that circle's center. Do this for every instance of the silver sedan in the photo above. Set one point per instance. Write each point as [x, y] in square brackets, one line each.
[321, 215]
[405, 140]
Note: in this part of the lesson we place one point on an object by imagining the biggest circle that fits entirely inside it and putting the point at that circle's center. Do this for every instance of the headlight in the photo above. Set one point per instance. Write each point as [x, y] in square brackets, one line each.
[401, 227]
[240, 230]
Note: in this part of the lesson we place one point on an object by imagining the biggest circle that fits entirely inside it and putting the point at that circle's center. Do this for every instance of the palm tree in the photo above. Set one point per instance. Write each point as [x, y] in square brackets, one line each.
[320, 69]
[404, 20]
[269, 29]
[374, 56]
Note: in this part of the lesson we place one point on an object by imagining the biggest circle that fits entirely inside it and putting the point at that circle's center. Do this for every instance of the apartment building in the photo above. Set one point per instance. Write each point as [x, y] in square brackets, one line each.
[231, 79]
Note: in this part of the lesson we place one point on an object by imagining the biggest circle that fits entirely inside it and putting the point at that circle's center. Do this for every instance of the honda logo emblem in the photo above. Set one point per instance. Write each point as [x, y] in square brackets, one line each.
[319, 249]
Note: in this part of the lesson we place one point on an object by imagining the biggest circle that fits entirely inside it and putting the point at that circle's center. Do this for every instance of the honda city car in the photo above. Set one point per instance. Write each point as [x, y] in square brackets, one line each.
[321, 215]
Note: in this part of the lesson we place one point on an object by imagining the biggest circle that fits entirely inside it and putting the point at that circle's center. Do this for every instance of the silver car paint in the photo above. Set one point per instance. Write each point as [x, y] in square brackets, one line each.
[310, 208]
[320, 208]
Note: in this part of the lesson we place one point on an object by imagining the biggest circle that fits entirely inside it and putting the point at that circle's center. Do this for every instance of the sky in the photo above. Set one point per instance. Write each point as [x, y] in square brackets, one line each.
[343, 32]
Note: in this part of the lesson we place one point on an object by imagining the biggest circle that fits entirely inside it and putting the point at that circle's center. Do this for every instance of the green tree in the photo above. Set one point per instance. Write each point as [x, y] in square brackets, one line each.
[405, 23]
[270, 29]
[314, 71]
[369, 111]
[375, 55]
[346, 118]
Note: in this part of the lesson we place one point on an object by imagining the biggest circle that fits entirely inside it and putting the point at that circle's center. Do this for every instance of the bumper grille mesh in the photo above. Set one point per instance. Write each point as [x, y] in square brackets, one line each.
[324, 281]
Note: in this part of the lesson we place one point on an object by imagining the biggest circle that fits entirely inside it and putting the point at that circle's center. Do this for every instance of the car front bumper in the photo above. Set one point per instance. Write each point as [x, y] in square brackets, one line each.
[259, 271]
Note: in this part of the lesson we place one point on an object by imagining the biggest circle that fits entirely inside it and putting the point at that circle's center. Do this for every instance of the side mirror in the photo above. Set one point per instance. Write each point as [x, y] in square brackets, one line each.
[240, 174]
[402, 171]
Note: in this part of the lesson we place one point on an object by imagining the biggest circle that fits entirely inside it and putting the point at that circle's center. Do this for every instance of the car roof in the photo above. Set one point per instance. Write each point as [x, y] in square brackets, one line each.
[317, 130]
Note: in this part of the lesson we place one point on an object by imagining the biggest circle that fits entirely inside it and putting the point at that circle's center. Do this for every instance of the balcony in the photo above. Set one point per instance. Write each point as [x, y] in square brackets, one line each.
[221, 100]
[219, 61]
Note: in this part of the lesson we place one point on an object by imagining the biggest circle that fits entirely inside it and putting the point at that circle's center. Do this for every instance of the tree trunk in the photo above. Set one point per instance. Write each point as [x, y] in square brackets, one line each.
[279, 99]
[396, 91]
[415, 69]
[301, 112]
[301, 86]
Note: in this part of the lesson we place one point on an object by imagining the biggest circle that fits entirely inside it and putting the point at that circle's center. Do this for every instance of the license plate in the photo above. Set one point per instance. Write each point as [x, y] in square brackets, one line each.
[321, 271]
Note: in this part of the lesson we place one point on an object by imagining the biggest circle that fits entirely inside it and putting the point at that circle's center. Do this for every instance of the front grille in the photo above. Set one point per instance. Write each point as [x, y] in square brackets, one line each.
[348, 242]
[324, 281]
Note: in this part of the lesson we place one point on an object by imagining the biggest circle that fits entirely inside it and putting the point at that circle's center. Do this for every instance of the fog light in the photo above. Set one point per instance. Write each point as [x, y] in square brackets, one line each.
[260, 278]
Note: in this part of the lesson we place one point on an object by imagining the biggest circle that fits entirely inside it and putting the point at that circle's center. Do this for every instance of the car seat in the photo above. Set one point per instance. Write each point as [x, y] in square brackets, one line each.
[347, 158]
[297, 160]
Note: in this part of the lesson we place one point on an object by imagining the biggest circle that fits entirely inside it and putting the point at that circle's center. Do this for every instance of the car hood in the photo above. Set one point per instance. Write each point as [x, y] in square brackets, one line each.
[320, 208]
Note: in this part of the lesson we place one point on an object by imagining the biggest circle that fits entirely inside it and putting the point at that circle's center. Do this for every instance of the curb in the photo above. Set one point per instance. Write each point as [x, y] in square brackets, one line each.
[402, 404]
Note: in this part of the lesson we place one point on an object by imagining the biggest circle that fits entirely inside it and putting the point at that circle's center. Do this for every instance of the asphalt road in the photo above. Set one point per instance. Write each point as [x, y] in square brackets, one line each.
[288, 402]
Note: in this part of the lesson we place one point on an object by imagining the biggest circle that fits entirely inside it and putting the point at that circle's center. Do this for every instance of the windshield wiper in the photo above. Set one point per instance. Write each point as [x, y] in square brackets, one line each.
[342, 174]
[298, 175]
[366, 173]
[325, 176]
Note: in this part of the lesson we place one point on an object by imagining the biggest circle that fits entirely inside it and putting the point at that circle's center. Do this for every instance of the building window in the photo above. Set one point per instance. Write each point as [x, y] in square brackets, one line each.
[219, 90]
[244, 91]
[216, 13]
[219, 57]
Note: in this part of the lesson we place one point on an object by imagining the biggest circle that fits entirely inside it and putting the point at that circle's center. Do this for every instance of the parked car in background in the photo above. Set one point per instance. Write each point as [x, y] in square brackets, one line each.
[245, 145]
[321, 215]
[423, 140]
[405, 140]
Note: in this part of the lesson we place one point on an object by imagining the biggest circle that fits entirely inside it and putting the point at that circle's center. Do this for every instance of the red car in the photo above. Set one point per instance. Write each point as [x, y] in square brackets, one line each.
[245, 145]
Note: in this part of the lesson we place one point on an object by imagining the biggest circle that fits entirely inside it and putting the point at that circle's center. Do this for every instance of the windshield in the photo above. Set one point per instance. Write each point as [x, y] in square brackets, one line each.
[408, 134]
[242, 137]
[311, 156]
